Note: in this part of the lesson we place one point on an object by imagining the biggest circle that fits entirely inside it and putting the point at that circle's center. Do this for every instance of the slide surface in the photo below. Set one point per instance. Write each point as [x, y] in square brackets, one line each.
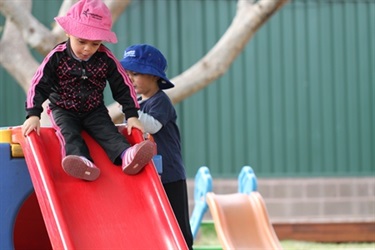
[242, 222]
[117, 211]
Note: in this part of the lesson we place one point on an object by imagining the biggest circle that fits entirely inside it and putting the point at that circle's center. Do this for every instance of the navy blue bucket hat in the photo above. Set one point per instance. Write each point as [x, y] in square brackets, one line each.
[146, 59]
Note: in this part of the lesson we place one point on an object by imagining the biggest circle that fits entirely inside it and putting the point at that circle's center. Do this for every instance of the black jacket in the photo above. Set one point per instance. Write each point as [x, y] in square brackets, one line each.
[79, 85]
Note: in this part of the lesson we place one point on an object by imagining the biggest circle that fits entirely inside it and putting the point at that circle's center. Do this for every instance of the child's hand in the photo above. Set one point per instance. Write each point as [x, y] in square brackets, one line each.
[134, 122]
[32, 123]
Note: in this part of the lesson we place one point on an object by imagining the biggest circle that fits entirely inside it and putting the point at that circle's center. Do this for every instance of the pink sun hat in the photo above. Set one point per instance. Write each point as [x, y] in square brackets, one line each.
[88, 19]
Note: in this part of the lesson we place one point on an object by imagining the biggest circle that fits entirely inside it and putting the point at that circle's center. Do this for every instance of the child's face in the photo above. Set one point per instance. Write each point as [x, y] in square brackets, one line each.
[82, 48]
[145, 85]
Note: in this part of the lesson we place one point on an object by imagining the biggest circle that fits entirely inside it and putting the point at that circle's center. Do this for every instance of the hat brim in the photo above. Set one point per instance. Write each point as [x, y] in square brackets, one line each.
[80, 30]
[164, 82]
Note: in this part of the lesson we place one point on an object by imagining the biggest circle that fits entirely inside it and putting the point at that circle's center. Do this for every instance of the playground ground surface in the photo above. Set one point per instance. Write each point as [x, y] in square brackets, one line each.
[207, 239]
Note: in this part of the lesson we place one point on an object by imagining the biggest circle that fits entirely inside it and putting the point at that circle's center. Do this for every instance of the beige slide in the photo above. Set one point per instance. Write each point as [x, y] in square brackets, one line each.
[242, 222]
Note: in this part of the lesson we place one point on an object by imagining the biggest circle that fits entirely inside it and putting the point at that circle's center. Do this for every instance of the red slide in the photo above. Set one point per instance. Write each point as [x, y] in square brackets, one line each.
[117, 211]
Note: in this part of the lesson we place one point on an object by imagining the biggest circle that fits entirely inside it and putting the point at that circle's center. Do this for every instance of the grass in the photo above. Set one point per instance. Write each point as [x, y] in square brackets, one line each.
[207, 239]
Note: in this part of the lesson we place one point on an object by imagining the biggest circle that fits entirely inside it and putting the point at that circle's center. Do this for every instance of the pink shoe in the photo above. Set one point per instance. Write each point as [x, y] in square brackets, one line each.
[137, 156]
[80, 167]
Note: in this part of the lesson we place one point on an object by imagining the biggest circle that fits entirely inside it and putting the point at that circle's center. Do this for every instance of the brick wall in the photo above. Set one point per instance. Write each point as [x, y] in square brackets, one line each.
[310, 199]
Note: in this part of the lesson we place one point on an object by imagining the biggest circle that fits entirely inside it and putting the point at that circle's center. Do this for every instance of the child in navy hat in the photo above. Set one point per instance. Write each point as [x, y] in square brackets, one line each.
[146, 66]
[73, 77]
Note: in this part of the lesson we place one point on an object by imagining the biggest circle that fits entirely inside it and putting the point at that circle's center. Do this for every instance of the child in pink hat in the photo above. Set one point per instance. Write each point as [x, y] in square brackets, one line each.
[73, 77]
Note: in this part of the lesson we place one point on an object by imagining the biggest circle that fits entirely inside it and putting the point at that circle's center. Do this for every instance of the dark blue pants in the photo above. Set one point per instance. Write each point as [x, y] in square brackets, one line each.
[178, 197]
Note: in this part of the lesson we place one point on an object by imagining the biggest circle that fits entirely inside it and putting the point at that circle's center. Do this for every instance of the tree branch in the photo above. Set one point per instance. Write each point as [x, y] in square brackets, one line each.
[33, 32]
[249, 18]
[20, 65]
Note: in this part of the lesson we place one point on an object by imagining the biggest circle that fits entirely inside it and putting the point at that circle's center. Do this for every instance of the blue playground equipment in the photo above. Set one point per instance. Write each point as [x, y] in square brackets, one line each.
[19, 211]
[247, 183]
[202, 185]
[15, 187]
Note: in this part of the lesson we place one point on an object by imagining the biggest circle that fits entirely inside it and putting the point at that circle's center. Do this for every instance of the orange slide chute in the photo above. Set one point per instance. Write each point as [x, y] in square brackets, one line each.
[117, 211]
[242, 222]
